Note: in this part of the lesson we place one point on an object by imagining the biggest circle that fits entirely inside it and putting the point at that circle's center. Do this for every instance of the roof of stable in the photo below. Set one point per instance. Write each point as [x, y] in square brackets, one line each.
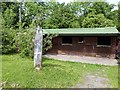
[83, 31]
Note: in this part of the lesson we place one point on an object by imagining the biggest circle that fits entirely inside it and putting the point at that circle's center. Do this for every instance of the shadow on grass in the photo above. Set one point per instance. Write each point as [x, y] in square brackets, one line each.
[45, 59]
[118, 61]
[51, 65]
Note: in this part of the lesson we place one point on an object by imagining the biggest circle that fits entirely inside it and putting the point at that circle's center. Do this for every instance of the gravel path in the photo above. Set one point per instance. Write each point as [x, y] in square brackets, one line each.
[84, 59]
[95, 80]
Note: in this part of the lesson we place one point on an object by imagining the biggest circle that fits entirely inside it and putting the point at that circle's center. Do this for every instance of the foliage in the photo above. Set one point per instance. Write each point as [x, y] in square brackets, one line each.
[9, 20]
[47, 42]
[18, 72]
[53, 14]
[61, 16]
[101, 8]
[10, 14]
[114, 16]
[24, 42]
[98, 20]
[118, 24]
[75, 24]
[8, 40]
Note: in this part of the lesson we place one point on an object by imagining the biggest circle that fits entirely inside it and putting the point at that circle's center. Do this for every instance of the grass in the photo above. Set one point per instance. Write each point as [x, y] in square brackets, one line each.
[19, 72]
[112, 73]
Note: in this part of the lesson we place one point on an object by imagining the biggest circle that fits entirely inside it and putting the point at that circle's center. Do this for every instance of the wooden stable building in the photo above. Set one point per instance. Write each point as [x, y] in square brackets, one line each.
[84, 41]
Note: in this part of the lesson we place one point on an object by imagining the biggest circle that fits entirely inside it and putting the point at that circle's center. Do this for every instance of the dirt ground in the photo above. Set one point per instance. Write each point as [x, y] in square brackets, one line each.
[95, 80]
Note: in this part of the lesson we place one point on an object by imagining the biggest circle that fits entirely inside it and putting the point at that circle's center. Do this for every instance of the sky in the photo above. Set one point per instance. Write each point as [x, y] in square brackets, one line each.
[113, 1]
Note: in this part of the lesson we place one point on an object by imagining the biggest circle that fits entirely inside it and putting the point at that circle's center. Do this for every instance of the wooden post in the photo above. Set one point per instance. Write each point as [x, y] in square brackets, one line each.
[20, 13]
[38, 49]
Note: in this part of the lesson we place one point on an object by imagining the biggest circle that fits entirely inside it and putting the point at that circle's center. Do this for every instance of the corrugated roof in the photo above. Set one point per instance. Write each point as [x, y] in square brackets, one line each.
[83, 31]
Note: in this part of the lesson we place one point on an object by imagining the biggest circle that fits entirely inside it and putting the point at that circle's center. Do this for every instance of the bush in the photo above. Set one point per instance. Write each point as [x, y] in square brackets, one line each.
[24, 42]
[8, 40]
[47, 42]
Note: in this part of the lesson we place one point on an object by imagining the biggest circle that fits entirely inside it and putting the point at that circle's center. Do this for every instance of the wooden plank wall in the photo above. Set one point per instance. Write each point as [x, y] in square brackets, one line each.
[89, 47]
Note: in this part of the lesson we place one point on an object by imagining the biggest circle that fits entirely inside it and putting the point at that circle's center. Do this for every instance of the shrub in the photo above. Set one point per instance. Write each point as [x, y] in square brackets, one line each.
[8, 35]
[47, 42]
[24, 42]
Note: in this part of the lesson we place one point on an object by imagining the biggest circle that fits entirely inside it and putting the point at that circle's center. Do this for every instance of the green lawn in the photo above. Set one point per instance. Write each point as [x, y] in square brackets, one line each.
[19, 72]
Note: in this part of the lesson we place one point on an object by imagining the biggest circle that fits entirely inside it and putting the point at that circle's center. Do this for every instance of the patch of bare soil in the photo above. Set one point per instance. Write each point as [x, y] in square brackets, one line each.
[95, 80]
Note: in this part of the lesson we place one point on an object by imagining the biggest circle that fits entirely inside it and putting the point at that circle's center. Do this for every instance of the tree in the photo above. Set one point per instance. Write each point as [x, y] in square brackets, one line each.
[114, 16]
[118, 24]
[10, 14]
[98, 20]
[101, 8]
[31, 12]
[80, 10]
[61, 16]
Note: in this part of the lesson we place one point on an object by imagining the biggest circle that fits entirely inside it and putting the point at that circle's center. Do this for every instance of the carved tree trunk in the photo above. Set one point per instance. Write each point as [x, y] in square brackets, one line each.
[38, 49]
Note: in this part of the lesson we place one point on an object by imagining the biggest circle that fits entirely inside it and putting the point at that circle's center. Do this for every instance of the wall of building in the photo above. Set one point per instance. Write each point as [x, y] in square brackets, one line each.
[88, 47]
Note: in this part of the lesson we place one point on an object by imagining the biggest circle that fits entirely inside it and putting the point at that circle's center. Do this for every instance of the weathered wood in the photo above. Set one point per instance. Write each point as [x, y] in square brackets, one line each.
[88, 48]
[38, 49]
[19, 13]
